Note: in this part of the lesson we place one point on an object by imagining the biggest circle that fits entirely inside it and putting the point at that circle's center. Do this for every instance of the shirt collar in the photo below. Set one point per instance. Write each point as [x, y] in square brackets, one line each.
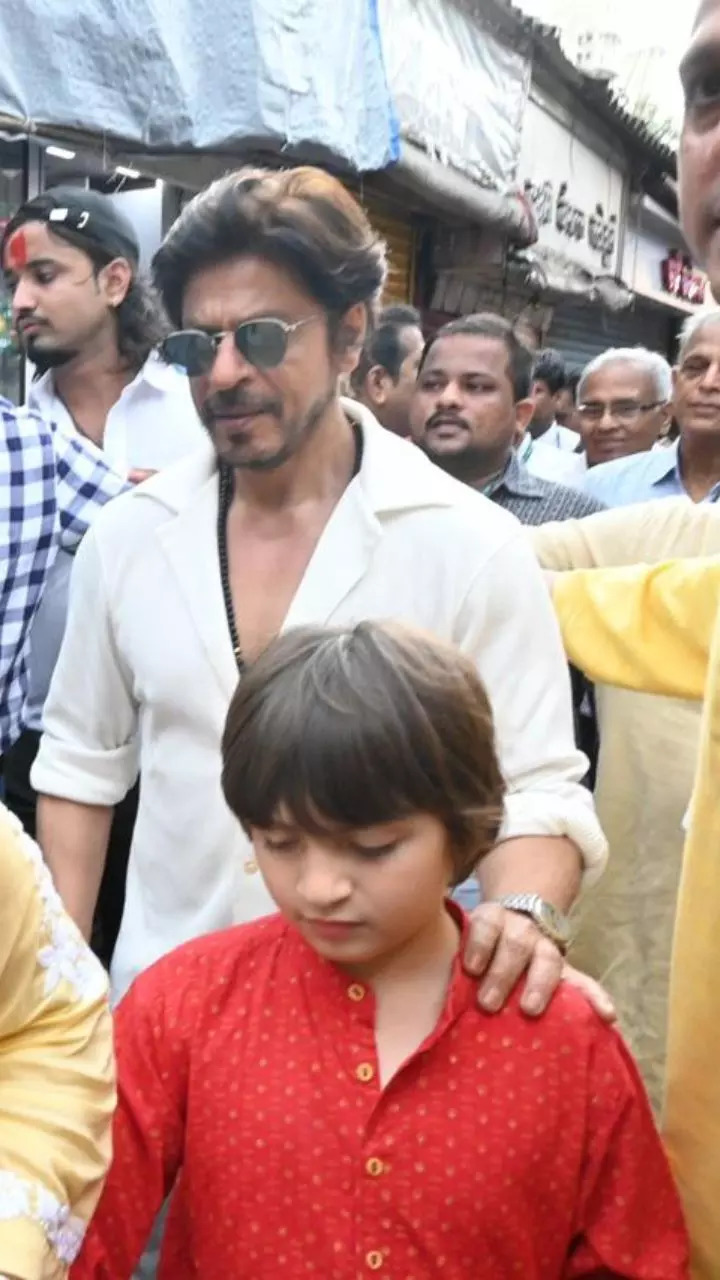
[342, 990]
[516, 480]
[155, 373]
[664, 462]
[394, 476]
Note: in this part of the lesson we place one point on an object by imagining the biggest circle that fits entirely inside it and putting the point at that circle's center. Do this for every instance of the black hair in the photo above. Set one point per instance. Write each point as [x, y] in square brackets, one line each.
[343, 728]
[384, 346]
[302, 220]
[488, 324]
[551, 369]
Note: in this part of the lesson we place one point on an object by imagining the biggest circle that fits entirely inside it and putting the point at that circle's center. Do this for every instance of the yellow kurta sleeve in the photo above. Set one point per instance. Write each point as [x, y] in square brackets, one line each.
[56, 1070]
[648, 532]
[640, 627]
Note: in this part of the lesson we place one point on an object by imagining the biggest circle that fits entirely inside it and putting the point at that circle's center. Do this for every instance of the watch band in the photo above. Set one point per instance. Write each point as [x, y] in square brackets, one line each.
[552, 923]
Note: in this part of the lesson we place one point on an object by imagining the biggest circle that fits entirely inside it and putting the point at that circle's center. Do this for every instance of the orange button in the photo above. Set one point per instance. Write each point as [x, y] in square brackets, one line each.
[374, 1260]
[374, 1167]
[365, 1072]
[356, 992]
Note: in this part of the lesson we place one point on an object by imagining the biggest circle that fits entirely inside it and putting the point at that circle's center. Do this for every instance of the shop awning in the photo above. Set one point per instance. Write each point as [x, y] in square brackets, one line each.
[553, 275]
[159, 76]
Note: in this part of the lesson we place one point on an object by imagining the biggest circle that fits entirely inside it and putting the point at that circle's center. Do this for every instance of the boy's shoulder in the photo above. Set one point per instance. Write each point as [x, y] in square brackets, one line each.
[208, 964]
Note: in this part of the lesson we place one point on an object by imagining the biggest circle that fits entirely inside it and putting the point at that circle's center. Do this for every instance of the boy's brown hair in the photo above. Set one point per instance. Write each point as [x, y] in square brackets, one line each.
[351, 727]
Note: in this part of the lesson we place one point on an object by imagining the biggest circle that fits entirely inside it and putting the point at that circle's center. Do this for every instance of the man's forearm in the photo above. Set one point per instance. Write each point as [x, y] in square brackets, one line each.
[550, 866]
[74, 840]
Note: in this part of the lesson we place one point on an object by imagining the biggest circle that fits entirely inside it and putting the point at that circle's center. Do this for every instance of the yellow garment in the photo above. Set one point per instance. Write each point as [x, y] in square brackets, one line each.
[56, 1070]
[624, 925]
[659, 629]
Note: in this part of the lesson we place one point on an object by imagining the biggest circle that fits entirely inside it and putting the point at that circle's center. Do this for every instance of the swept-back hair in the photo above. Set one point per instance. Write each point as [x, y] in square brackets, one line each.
[302, 220]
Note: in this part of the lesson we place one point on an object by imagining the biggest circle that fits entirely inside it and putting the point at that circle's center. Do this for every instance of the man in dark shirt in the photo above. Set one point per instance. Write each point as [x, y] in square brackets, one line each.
[472, 406]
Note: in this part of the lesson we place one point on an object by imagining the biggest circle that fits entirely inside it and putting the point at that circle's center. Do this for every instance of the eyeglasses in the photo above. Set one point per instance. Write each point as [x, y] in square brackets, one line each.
[626, 411]
[263, 342]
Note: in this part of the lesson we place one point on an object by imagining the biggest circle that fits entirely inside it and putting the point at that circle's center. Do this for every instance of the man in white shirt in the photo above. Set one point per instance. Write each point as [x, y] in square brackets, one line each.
[300, 509]
[548, 450]
[90, 324]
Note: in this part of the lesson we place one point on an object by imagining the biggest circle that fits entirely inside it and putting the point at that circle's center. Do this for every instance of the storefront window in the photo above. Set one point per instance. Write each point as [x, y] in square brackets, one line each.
[12, 191]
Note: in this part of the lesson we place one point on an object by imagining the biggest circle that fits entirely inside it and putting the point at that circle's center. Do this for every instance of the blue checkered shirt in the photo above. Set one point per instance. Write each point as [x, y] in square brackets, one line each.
[51, 486]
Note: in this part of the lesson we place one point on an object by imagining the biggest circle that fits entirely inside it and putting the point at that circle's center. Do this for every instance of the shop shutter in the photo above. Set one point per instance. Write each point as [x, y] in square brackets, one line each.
[582, 332]
[400, 237]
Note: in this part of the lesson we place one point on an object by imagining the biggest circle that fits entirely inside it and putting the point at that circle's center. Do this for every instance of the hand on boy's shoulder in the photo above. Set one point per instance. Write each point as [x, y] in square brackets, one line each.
[505, 947]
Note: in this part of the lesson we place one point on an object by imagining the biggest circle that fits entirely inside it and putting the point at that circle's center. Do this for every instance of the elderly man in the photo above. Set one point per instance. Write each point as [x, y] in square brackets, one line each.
[691, 466]
[623, 403]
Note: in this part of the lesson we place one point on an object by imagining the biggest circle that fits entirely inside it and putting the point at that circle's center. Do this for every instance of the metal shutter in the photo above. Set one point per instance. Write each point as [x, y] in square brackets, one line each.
[582, 332]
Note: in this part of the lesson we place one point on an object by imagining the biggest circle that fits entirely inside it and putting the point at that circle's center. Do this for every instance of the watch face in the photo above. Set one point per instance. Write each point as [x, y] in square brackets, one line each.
[555, 922]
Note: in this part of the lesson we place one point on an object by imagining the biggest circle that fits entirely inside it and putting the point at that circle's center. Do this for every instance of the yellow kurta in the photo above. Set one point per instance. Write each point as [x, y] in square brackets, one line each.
[56, 1070]
[658, 629]
[624, 924]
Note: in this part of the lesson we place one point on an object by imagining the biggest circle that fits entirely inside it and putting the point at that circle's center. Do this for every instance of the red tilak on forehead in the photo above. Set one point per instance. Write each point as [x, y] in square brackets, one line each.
[16, 252]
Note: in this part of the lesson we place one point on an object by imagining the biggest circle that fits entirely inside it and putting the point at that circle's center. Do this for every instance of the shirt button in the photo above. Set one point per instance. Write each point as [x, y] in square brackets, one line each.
[356, 992]
[374, 1167]
[250, 867]
[365, 1072]
[374, 1260]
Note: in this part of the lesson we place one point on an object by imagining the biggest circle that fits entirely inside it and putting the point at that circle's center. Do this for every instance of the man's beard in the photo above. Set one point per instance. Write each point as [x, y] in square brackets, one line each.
[45, 358]
[294, 433]
[471, 465]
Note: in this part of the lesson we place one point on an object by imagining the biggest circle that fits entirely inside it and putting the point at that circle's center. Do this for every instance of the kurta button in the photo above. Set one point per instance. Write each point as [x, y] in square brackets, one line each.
[365, 1072]
[250, 867]
[356, 992]
[374, 1260]
[374, 1167]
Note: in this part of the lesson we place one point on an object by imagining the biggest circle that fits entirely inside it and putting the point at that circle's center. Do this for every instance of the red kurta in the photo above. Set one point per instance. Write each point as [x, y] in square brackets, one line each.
[504, 1147]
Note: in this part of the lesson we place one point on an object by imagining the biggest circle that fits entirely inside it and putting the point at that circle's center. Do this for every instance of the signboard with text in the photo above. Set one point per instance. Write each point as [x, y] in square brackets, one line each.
[576, 193]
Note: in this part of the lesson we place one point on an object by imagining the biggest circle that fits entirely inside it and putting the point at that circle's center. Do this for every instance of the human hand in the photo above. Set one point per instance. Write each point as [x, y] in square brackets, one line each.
[137, 476]
[503, 945]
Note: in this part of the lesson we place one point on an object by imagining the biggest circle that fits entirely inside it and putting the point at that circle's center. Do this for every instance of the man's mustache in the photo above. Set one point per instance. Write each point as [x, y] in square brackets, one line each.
[236, 404]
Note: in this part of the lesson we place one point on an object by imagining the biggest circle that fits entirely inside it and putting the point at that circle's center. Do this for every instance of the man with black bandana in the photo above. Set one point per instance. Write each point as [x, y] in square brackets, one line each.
[89, 322]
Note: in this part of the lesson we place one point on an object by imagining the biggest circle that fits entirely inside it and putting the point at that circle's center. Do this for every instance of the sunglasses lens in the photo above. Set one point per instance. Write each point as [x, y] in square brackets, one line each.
[262, 342]
[190, 350]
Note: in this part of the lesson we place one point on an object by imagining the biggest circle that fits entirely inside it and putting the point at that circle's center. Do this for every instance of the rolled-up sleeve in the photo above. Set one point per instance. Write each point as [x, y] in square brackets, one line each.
[56, 1070]
[508, 626]
[88, 752]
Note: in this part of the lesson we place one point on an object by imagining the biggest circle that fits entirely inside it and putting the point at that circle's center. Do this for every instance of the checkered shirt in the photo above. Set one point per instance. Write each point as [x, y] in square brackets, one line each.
[51, 486]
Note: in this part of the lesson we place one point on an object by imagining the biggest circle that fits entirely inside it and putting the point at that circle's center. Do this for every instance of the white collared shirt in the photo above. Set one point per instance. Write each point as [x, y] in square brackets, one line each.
[156, 671]
[152, 424]
[557, 437]
[550, 463]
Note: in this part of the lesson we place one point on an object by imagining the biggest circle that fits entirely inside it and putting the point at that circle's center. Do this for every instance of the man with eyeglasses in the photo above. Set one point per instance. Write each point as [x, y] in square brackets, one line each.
[690, 467]
[623, 403]
[301, 508]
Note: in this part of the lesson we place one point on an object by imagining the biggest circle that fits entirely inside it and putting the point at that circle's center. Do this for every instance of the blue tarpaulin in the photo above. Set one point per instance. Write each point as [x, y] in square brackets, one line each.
[176, 75]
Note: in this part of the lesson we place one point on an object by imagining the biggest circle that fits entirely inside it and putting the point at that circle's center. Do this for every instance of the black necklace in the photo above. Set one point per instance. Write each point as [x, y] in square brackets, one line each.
[225, 497]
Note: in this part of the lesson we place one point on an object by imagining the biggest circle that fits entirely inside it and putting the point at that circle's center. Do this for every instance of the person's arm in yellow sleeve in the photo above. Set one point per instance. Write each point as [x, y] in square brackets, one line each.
[644, 534]
[640, 627]
[57, 1091]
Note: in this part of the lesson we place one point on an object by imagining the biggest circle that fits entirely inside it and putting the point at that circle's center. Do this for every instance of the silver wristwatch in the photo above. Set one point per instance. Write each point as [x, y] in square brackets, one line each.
[551, 922]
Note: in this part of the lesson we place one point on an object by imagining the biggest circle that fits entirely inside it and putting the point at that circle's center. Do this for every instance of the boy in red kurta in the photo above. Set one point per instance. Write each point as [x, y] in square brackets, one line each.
[322, 1088]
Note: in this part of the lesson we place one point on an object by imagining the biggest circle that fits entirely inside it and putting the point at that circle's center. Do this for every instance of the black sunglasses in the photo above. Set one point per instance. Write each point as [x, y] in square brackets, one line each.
[262, 342]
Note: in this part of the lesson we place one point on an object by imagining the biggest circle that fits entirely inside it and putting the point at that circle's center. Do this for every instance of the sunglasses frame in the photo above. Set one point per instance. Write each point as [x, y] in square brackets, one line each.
[211, 341]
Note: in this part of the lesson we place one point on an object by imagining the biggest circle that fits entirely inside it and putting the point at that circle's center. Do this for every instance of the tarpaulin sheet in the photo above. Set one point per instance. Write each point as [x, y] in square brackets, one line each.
[203, 74]
[460, 92]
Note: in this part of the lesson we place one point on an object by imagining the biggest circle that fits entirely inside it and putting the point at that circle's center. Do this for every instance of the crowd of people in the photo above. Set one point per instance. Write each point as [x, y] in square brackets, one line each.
[380, 803]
